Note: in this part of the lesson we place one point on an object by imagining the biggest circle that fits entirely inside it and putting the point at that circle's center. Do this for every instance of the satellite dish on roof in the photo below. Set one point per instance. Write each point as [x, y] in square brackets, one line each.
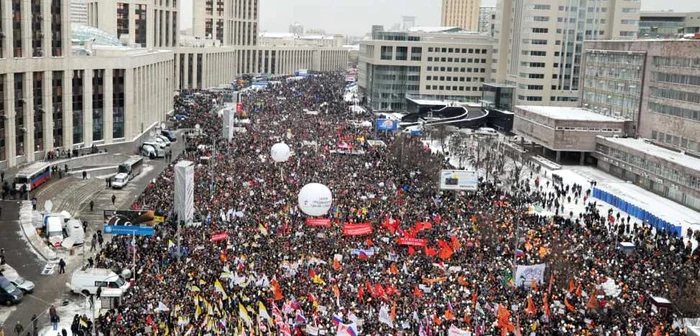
[48, 206]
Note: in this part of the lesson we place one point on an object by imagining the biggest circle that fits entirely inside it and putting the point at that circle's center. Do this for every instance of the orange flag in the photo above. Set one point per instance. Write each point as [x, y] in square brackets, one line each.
[546, 307]
[533, 285]
[531, 310]
[393, 311]
[456, 245]
[572, 286]
[336, 291]
[657, 332]
[417, 292]
[592, 302]
[430, 252]
[462, 282]
[445, 253]
[579, 291]
[276, 289]
[437, 320]
[475, 298]
[449, 316]
[467, 319]
[336, 264]
[551, 283]
[393, 269]
[568, 305]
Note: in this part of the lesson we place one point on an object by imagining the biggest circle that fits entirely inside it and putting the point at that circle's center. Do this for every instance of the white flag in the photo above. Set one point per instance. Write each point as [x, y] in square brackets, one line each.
[384, 316]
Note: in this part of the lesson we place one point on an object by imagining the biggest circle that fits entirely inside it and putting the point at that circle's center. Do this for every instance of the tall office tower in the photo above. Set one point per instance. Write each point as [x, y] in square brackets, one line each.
[296, 29]
[540, 43]
[78, 12]
[146, 23]
[215, 19]
[487, 15]
[461, 13]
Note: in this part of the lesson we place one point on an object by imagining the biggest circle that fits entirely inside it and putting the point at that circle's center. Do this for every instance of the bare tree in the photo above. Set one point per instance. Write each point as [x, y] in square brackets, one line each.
[460, 147]
[442, 134]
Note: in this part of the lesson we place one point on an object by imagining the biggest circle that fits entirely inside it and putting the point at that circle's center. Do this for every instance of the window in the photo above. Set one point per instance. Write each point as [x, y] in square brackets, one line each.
[386, 52]
[541, 18]
[630, 10]
[430, 59]
[430, 49]
[429, 78]
[540, 30]
[535, 76]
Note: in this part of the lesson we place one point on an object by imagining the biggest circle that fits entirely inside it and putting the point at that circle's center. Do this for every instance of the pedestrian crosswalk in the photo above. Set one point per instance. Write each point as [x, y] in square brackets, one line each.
[48, 269]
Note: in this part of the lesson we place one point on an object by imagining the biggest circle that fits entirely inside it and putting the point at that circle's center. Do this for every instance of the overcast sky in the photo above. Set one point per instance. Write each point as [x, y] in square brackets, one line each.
[355, 17]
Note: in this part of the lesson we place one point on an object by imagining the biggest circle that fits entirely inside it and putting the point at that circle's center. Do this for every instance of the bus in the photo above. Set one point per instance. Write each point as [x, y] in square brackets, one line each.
[33, 176]
[126, 171]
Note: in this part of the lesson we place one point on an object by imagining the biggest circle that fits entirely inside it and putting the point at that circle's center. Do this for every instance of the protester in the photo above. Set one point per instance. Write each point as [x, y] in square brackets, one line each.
[316, 278]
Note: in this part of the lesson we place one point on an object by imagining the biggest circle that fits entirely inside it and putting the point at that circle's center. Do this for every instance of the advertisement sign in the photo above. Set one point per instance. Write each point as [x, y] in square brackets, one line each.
[323, 222]
[524, 274]
[387, 125]
[130, 217]
[458, 180]
[128, 230]
[219, 236]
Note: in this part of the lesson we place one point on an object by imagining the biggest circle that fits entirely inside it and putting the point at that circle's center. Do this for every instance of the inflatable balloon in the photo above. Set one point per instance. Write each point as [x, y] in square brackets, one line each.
[280, 152]
[315, 199]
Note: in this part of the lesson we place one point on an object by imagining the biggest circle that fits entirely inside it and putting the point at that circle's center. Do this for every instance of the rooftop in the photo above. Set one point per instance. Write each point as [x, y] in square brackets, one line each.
[646, 147]
[434, 29]
[567, 113]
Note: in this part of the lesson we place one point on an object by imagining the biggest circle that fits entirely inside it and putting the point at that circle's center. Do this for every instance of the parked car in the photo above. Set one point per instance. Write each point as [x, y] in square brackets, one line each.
[9, 293]
[23, 284]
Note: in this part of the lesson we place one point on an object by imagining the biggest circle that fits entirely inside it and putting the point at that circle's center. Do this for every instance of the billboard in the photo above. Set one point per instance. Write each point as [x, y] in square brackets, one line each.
[128, 230]
[387, 125]
[458, 180]
[184, 191]
[130, 217]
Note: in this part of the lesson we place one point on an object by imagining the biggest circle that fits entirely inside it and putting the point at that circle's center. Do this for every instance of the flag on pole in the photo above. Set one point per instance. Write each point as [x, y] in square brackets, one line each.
[262, 312]
[220, 288]
[384, 316]
[243, 313]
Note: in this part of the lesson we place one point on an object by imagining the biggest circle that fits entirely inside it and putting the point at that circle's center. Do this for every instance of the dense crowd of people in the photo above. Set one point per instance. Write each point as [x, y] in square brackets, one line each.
[435, 262]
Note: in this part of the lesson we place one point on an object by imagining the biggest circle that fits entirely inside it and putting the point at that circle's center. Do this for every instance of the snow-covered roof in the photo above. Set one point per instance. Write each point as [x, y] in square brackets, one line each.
[658, 151]
[432, 29]
[567, 113]
[276, 35]
[428, 101]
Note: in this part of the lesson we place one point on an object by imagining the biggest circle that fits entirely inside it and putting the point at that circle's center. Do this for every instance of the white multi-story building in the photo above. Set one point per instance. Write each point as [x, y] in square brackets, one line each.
[57, 96]
[487, 17]
[78, 12]
[540, 43]
[440, 63]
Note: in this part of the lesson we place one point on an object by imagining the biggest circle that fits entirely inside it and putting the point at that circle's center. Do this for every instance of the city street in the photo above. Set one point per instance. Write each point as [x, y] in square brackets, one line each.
[72, 194]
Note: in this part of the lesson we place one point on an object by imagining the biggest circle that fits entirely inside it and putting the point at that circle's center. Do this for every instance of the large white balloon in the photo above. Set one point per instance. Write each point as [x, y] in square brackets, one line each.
[280, 152]
[315, 199]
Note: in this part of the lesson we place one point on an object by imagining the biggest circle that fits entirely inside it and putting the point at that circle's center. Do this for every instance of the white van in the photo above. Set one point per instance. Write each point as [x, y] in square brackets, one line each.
[74, 227]
[54, 230]
[89, 280]
[157, 148]
[121, 179]
[486, 131]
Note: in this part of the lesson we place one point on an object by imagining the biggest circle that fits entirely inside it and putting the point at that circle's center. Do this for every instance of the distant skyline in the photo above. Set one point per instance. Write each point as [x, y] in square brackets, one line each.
[356, 17]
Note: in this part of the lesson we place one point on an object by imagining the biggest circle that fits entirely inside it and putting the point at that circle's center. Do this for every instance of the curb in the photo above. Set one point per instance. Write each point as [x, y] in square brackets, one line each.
[25, 223]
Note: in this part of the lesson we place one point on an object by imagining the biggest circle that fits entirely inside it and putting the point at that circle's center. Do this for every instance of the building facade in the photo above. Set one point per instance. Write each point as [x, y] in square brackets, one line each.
[138, 23]
[57, 96]
[655, 83]
[667, 24]
[461, 13]
[539, 44]
[78, 12]
[441, 63]
[487, 19]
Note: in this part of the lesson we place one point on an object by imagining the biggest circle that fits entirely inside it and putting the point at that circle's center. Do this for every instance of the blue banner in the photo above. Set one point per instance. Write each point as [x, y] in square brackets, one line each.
[128, 230]
[387, 125]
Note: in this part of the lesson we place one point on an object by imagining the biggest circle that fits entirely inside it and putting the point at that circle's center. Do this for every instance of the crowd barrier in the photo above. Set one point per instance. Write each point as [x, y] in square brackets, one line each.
[636, 211]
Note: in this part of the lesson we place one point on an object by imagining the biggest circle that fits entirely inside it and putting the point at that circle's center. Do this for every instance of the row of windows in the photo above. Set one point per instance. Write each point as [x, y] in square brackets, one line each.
[676, 78]
[677, 62]
[659, 169]
[675, 95]
[457, 60]
[589, 129]
[675, 141]
[455, 79]
[674, 111]
[453, 88]
[457, 50]
[450, 69]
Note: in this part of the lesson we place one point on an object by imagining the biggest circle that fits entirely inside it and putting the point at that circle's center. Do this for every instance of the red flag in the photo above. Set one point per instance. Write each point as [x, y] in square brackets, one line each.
[454, 242]
[379, 291]
[361, 294]
[572, 286]
[568, 305]
[579, 291]
[592, 301]
[411, 250]
[531, 310]
[475, 298]
[445, 253]
[312, 274]
[393, 269]
[276, 289]
[417, 292]
[429, 251]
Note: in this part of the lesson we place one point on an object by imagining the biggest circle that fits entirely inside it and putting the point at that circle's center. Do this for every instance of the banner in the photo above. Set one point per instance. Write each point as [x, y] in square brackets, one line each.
[359, 229]
[324, 222]
[525, 274]
[219, 236]
[412, 242]
[130, 217]
[454, 331]
[387, 125]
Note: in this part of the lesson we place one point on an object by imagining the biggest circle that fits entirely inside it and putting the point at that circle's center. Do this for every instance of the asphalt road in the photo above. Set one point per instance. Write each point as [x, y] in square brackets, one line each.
[73, 194]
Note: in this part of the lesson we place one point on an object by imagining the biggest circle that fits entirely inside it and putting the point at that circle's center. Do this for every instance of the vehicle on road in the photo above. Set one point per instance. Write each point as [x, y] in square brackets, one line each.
[169, 134]
[153, 150]
[87, 281]
[54, 230]
[33, 176]
[126, 172]
[23, 284]
[9, 293]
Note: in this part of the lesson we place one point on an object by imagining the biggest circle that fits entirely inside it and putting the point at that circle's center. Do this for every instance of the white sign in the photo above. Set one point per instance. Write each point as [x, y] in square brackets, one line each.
[458, 180]
[525, 274]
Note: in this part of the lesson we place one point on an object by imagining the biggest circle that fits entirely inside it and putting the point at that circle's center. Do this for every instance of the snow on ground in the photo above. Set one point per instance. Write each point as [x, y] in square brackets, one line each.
[76, 305]
[4, 314]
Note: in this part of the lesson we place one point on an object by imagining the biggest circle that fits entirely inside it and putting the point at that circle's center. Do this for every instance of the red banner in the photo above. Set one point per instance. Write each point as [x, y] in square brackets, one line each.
[219, 236]
[359, 229]
[412, 242]
[324, 222]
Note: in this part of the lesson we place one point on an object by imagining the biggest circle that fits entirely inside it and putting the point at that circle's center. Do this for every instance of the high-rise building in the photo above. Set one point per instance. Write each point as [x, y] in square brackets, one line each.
[296, 29]
[668, 24]
[539, 44]
[58, 96]
[78, 12]
[144, 23]
[428, 63]
[461, 13]
[487, 17]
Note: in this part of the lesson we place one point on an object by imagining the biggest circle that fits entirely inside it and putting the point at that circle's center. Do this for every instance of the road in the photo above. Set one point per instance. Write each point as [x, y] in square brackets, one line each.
[72, 194]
